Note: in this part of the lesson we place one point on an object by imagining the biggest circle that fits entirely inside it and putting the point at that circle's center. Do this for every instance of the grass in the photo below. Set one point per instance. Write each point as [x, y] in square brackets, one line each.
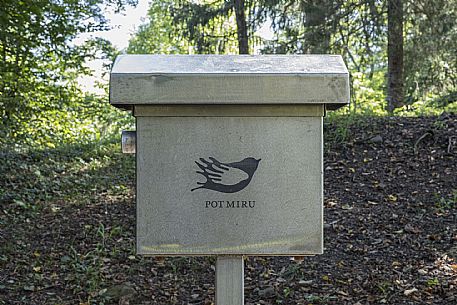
[68, 173]
[55, 180]
[446, 203]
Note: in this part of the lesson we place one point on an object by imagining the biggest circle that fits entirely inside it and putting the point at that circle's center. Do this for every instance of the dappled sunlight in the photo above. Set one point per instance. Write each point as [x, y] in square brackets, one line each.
[67, 193]
[81, 175]
[70, 235]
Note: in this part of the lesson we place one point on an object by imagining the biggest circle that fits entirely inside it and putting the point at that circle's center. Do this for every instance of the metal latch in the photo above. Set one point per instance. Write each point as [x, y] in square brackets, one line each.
[128, 142]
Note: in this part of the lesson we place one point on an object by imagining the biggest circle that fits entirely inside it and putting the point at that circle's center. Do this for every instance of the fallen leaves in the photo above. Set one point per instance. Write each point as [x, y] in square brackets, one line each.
[412, 229]
[384, 241]
[410, 291]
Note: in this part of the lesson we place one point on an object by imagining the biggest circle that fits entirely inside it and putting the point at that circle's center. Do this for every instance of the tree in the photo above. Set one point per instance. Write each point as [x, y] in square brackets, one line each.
[241, 26]
[158, 34]
[355, 29]
[430, 44]
[220, 26]
[411, 42]
[395, 95]
[304, 27]
[40, 64]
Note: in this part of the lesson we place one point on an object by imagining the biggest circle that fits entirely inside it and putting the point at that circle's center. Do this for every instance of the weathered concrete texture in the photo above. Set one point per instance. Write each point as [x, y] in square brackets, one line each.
[282, 213]
[225, 79]
[229, 64]
[230, 280]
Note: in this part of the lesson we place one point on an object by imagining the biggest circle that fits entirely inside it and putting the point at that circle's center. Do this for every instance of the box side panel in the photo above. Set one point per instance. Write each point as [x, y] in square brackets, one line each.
[262, 194]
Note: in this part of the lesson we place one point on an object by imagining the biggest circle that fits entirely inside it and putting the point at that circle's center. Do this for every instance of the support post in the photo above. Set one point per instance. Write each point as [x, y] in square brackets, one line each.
[230, 280]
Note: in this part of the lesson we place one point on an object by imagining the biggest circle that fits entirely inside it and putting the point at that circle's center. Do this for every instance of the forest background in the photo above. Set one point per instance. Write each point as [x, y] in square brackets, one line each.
[401, 55]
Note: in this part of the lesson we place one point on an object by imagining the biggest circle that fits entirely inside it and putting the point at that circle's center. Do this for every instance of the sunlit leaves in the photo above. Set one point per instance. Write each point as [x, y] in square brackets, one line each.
[40, 100]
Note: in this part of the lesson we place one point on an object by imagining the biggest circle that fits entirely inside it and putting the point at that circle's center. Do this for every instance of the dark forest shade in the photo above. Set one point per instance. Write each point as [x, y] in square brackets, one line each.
[242, 29]
[395, 96]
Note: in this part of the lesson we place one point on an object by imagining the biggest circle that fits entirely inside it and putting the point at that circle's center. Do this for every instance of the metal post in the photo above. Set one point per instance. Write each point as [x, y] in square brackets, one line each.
[230, 280]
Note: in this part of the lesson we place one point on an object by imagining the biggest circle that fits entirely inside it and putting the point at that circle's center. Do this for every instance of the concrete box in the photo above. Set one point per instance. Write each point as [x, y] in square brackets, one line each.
[229, 150]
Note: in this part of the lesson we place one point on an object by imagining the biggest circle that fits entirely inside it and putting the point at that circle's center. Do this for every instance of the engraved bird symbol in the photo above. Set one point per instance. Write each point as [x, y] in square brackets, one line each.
[226, 177]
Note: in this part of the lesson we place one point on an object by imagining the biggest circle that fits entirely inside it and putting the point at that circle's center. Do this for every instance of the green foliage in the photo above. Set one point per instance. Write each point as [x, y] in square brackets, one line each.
[444, 204]
[69, 173]
[61, 181]
[41, 103]
[294, 272]
[206, 25]
[286, 292]
[158, 35]
[431, 41]
[433, 282]
[356, 29]
[385, 288]
[86, 119]
[337, 126]
[316, 299]
[40, 100]
[368, 93]
[426, 105]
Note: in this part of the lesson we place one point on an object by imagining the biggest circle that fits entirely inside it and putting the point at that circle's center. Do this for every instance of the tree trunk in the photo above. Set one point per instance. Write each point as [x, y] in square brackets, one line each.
[242, 29]
[395, 98]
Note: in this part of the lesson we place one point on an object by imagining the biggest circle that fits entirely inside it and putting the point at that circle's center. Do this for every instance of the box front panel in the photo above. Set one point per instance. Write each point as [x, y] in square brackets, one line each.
[229, 185]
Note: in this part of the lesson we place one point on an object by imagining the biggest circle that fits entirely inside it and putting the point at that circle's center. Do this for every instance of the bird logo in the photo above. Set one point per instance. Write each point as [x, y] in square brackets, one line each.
[226, 177]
